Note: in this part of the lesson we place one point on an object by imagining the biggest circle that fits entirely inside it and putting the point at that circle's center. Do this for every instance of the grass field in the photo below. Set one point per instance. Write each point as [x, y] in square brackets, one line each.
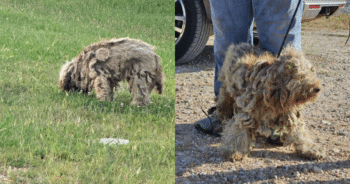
[47, 136]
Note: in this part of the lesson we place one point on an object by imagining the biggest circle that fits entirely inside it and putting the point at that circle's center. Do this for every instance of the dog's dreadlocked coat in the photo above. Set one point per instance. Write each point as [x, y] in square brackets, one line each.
[260, 92]
[102, 65]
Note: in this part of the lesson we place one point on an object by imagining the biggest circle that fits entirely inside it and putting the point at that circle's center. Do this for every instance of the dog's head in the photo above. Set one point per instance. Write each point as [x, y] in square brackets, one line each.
[309, 87]
[66, 81]
[296, 82]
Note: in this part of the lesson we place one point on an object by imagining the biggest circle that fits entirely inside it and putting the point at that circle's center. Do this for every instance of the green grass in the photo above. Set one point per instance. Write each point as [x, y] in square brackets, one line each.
[49, 134]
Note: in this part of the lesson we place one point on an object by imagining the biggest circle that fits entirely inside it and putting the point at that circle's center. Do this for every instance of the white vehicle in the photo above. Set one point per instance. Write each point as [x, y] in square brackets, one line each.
[193, 24]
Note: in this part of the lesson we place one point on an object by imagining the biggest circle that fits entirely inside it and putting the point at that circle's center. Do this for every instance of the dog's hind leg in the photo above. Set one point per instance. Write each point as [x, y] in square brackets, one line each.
[103, 88]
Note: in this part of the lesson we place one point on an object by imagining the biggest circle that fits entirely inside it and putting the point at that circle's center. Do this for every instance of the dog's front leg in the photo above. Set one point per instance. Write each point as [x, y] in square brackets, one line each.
[225, 104]
[103, 88]
[140, 91]
[235, 141]
[299, 136]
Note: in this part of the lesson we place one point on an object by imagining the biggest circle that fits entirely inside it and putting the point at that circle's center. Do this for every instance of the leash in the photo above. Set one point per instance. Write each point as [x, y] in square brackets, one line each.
[349, 33]
[285, 37]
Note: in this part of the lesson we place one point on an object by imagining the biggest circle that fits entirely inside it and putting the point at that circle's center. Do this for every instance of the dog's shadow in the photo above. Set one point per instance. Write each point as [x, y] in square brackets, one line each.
[262, 150]
[281, 172]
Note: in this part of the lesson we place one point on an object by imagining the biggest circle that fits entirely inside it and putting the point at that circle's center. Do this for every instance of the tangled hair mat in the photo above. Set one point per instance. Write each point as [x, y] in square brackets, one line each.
[260, 92]
[102, 65]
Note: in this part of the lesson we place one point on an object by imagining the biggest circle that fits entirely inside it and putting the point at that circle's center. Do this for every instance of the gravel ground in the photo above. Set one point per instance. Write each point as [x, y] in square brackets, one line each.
[198, 158]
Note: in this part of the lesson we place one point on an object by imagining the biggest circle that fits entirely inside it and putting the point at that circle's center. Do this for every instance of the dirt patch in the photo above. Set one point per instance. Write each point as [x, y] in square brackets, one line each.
[198, 159]
[5, 172]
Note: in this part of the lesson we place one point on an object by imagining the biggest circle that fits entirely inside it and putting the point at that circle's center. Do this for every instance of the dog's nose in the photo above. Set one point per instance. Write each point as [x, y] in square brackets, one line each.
[317, 90]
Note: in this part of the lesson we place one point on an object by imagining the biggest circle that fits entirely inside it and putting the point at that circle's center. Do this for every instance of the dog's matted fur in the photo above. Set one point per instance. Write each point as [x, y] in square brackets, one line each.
[260, 92]
[102, 65]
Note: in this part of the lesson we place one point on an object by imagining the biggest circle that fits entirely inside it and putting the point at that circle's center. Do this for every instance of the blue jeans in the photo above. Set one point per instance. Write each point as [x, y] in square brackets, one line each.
[233, 23]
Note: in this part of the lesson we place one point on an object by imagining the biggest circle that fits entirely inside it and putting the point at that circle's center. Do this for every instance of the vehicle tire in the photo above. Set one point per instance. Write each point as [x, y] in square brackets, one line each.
[192, 29]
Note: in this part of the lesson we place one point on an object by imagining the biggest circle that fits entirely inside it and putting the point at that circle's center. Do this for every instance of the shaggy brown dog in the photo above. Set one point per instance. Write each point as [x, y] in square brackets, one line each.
[102, 65]
[260, 92]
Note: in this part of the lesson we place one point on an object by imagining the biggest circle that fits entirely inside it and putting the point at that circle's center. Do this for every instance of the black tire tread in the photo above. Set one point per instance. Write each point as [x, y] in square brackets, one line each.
[203, 28]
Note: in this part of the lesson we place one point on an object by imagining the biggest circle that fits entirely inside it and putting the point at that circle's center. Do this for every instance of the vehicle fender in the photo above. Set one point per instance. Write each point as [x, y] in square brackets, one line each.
[207, 9]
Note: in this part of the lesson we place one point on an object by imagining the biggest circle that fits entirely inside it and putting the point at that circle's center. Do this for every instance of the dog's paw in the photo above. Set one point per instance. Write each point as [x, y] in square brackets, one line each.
[235, 156]
[140, 103]
[218, 127]
[312, 153]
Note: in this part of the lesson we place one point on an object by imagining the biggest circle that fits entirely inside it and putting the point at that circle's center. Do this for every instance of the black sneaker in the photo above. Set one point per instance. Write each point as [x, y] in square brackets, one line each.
[209, 125]
[204, 125]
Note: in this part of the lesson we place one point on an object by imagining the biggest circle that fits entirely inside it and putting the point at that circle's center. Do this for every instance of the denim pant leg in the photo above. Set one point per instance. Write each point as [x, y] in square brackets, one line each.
[232, 23]
[272, 19]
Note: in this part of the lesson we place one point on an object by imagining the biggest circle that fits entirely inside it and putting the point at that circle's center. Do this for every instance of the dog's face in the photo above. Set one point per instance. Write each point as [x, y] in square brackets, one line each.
[66, 82]
[303, 85]
[309, 90]
[293, 81]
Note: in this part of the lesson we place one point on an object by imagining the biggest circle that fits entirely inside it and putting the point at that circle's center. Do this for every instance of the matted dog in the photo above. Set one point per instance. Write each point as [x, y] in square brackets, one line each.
[260, 92]
[102, 65]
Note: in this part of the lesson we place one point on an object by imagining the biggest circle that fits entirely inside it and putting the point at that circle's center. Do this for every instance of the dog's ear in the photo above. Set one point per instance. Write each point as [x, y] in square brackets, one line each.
[276, 97]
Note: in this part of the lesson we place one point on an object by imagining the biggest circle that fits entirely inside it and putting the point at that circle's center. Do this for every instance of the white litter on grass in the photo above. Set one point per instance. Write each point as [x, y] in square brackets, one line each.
[111, 141]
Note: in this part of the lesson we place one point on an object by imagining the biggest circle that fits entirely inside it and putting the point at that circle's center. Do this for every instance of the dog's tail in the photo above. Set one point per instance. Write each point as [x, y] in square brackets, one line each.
[159, 74]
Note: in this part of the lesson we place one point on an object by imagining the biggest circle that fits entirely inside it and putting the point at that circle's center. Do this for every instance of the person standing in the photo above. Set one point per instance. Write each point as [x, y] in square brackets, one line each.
[233, 24]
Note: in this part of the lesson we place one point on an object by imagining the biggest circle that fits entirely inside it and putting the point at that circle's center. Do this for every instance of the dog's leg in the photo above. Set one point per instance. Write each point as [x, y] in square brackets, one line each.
[223, 109]
[103, 88]
[140, 91]
[130, 81]
[224, 104]
[304, 146]
[235, 141]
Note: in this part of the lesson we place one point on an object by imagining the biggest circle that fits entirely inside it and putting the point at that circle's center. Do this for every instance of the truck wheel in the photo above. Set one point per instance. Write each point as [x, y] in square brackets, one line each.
[192, 30]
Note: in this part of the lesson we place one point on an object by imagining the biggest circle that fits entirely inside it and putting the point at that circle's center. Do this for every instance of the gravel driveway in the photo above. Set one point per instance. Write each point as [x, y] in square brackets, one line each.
[198, 158]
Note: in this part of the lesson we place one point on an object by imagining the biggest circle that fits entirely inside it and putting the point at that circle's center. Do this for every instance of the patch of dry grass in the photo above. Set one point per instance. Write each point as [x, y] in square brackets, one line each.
[340, 22]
